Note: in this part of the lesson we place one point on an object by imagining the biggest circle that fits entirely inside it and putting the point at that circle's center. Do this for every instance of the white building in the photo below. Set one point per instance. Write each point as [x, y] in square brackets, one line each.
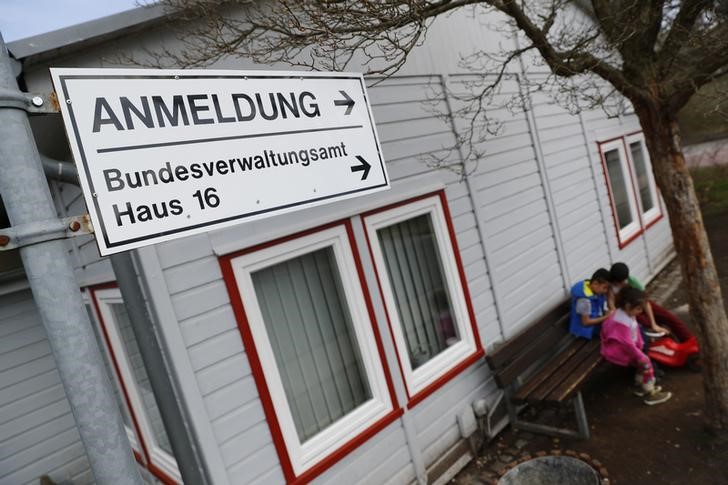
[330, 344]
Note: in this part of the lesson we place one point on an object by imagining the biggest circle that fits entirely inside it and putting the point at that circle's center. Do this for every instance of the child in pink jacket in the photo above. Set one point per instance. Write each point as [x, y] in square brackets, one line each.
[622, 344]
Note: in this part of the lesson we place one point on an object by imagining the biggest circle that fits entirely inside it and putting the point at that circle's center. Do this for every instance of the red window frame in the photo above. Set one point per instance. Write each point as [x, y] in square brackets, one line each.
[413, 400]
[236, 301]
[632, 187]
[144, 459]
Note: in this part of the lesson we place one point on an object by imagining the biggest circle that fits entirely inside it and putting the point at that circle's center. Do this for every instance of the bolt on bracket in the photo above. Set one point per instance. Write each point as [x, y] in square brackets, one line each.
[42, 231]
[33, 103]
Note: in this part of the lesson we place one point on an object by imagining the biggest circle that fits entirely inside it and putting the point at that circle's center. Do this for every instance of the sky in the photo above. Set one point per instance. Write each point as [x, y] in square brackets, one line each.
[25, 18]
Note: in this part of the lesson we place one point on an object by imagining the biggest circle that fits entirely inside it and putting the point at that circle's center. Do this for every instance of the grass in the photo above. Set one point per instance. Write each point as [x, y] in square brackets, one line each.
[711, 186]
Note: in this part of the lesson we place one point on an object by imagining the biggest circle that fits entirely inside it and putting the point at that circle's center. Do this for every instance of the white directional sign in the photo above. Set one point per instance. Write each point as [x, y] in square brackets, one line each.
[165, 154]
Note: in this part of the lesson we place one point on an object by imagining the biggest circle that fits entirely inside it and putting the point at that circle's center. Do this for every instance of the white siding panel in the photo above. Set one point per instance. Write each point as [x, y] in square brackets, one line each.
[659, 240]
[475, 270]
[391, 467]
[77, 470]
[503, 159]
[273, 476]
[533, 305]
[418, 90]
[516, 216]
[27, 353]
[361, 465]
[469, 238]
[193, 274]
[185, 249]
[262, 462]
[414, 147]
[22, 338]
[238, 421]
[583, 231]
[410, 129]
[29, 387]
[565, 185]
[409, 167]
[528, 195]
[503, 240]
[463, 222]
[507, 191]
[208, 325]
[215, 349]
[16, 311]
[16, 409]
[199, 300]
[245, 444]
[387, 114]
[39, 434]
[231, 397]
[527, 266]
[53, 454]
[436, 417]
[223, 374]
[20, 373]
[45, 426]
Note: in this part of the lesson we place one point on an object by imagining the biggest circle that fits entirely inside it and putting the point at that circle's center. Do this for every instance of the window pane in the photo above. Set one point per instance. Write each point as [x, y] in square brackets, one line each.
[311, 332]
[140, 375]
[643, 181]
[416, 274]
[619, 188]
[109, 372]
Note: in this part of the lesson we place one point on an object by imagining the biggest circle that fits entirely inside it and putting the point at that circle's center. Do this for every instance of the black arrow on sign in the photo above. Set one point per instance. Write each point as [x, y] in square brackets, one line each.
[348, 102]
[363, 167]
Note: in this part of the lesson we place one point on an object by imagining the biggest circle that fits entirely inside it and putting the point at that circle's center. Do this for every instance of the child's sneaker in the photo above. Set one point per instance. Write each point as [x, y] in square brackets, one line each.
[657, 397]
[640, 392]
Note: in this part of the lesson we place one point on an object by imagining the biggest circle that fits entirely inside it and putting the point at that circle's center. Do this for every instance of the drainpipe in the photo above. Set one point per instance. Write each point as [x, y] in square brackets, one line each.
[176, 423]
[178, 428]
[62, 171]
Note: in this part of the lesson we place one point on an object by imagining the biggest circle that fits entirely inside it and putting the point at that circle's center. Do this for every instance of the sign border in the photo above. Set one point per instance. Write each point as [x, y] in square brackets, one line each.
[110, 245]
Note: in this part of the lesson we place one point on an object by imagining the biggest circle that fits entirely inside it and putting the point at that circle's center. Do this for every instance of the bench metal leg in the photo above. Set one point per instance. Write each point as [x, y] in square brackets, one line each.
[581, 420]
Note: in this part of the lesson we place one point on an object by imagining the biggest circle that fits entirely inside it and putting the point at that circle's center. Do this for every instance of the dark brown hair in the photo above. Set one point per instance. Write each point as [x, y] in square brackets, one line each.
[631, 296]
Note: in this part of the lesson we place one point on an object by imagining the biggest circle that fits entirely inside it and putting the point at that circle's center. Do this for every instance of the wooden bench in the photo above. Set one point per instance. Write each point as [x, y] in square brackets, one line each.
[564, 363]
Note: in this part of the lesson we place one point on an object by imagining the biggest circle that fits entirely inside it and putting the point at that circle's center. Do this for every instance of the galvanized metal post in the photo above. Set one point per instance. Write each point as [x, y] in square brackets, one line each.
[27, 199]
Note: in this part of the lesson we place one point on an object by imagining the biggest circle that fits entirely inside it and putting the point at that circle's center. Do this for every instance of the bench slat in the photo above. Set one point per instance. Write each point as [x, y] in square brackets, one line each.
[548, 369]
[571, 385]
[565, 372]
[516, 345]
[542, 346]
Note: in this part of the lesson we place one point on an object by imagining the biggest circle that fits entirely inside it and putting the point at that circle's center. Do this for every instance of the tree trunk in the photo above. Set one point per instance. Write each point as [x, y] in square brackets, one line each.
[707, 310]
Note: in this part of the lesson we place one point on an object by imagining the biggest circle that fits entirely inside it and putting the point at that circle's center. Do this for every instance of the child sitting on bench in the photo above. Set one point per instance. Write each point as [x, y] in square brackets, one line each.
[622, 344]
[655, 317]
[588, 305]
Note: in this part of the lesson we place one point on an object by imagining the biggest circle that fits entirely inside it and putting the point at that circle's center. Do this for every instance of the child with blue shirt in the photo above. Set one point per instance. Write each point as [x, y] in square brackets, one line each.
[589, 305]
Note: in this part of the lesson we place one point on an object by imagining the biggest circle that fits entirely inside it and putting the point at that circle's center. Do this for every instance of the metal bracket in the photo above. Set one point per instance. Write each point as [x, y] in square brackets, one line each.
[42, 231]
[32, 103]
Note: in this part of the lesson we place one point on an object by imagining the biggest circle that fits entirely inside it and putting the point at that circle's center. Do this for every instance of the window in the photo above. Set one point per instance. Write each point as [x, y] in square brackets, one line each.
[619, 182]
[307, 327]
[644, 180]
[633, 193]
[141, 415]
[420, 276]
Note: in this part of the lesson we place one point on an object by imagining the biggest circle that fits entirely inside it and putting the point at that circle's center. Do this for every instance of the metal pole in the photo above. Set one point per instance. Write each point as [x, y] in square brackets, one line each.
[177, 427]
[27, 199]
[176, 422]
